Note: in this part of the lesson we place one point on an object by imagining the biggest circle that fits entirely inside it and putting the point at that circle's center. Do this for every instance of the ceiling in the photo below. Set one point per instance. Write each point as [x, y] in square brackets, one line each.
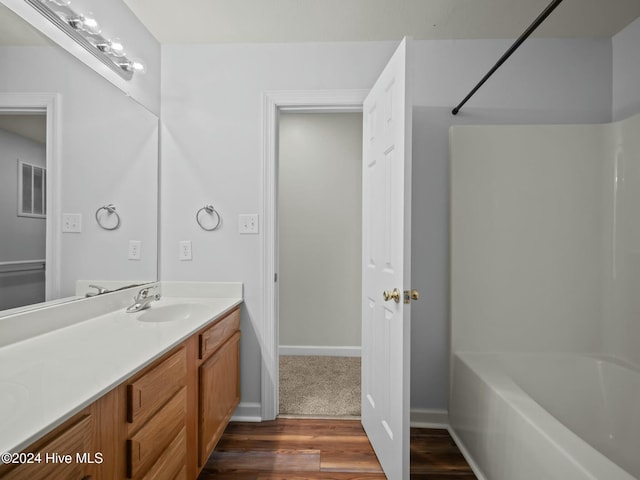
[33, 127]
[225, 21]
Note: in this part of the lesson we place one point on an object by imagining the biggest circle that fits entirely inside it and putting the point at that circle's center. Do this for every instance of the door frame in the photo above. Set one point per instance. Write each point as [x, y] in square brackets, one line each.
[303, 101]
[49, 104]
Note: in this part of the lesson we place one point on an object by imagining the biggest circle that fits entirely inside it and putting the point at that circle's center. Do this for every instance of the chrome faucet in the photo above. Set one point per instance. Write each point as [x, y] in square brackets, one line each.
[100, 291]
[144, 299]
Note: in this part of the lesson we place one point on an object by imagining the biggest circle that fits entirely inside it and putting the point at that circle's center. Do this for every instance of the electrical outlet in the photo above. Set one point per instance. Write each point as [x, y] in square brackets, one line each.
[185, 250]
[248, 223]
[72, 222]
[134, 249]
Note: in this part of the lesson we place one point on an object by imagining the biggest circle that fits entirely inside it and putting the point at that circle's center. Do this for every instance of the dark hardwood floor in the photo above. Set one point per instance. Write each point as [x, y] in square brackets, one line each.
[300, 449]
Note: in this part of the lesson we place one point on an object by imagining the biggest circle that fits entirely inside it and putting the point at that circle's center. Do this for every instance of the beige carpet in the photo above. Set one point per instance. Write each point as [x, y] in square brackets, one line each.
[319, 386]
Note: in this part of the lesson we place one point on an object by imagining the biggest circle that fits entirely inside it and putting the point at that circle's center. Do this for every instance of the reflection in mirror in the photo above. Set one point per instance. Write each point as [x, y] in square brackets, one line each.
[22, 209]
[97, 147]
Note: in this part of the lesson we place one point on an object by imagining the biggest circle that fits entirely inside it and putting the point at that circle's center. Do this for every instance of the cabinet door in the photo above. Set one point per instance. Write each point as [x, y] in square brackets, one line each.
[219, 390]
[58, 457]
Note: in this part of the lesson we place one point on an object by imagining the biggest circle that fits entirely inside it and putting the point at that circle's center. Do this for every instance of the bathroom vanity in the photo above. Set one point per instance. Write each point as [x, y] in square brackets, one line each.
[141, 396]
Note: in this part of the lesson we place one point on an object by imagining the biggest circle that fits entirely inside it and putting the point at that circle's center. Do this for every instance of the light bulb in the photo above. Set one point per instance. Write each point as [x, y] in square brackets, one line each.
[90, 24]
[134, 66]
[138, 66]
[116, 47]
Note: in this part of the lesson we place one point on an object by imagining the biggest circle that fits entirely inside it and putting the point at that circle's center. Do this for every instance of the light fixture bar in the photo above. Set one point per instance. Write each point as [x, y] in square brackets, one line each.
[122, 65]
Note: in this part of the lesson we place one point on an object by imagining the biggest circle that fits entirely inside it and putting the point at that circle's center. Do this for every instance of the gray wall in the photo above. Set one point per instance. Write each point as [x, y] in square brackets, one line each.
[21, 238]
[319, 237]
[212, 149]
[626, 72]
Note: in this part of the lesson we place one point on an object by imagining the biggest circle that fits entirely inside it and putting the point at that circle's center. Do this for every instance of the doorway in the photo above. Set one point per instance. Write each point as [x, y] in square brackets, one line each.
[23, 208]
[319, 198]
[43, 106]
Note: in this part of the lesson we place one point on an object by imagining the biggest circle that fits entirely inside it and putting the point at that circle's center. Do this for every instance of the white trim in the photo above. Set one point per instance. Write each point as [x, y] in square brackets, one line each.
[49, 103]
[429, 418]
[467, 456]
[272, 102]
[307, 350]
[247, 412]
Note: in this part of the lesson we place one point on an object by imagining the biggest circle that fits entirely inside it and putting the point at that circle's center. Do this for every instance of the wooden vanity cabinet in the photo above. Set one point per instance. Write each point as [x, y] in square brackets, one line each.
[54, 456]
[160, 424]
[219, 394]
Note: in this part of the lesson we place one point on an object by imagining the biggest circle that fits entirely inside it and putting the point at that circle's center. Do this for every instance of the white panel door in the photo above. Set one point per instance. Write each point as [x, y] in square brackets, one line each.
[386, 235]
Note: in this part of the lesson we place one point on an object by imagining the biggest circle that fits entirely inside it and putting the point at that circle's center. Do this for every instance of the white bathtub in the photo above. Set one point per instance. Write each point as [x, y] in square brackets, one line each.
[539, 417]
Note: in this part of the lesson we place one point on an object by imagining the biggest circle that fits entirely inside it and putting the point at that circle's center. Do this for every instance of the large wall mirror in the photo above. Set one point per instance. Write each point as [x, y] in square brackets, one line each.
[78, 175]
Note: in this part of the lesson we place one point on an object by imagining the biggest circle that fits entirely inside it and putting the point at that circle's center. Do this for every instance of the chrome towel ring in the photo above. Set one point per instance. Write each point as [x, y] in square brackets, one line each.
[111, 210]
[211, 211]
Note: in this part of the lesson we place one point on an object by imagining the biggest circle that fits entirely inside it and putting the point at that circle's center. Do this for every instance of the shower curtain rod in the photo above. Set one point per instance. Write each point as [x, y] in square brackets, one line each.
[536, 23]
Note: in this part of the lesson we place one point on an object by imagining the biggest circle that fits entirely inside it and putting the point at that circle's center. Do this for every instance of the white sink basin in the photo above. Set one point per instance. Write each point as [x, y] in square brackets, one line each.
[174, 312]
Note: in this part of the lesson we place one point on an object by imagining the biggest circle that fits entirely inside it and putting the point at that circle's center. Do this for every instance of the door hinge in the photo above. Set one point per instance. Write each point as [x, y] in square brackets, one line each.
[275, 278]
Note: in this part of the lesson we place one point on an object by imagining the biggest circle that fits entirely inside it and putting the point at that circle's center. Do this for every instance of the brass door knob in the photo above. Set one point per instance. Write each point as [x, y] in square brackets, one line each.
[395, 295]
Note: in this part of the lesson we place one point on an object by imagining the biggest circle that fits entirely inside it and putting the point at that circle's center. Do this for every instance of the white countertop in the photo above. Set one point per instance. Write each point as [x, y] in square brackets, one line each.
[46, 379]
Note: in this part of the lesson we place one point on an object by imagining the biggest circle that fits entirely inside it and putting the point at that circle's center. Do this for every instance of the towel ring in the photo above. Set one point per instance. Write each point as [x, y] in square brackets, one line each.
[211, 211]
[111, 209]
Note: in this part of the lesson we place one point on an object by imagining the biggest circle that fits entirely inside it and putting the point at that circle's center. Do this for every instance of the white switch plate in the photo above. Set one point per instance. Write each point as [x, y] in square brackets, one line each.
[185, 250]
[248, 223]
[72, 222]
[134, 249]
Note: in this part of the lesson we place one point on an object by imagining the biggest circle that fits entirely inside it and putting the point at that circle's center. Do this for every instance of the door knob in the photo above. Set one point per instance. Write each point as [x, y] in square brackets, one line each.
[411, 295]
[395, 295]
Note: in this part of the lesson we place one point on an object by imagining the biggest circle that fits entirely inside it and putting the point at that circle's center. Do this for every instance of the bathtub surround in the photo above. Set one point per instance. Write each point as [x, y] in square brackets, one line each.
[544, 261]
[510, 414]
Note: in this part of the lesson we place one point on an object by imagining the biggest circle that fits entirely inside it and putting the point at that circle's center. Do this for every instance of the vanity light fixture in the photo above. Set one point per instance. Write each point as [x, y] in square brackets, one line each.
[86, 31]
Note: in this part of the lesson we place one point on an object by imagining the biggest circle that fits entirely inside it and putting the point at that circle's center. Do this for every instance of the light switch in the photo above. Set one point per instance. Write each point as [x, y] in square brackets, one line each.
[248, 223]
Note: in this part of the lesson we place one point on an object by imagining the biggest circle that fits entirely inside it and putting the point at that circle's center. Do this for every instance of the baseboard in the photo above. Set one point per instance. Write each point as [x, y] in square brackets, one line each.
[247, 412]
[429, 418]
[319, 350]
[465, 453]
[420, 418]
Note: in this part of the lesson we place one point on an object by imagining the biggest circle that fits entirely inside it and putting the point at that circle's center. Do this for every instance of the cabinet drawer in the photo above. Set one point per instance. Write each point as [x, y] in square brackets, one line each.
[74, 440]
[149, 392]
[145, 447]
[212, 338]
[171, 461]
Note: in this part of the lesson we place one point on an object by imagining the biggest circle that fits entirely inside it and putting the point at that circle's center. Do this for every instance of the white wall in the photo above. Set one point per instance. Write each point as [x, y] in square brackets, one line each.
[320, 225]
[527, 219]
[212, 148]
[108, 148]
[626, 71]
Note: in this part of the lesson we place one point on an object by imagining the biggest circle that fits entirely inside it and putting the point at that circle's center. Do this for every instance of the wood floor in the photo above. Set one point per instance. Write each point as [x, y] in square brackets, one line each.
[295, 449]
